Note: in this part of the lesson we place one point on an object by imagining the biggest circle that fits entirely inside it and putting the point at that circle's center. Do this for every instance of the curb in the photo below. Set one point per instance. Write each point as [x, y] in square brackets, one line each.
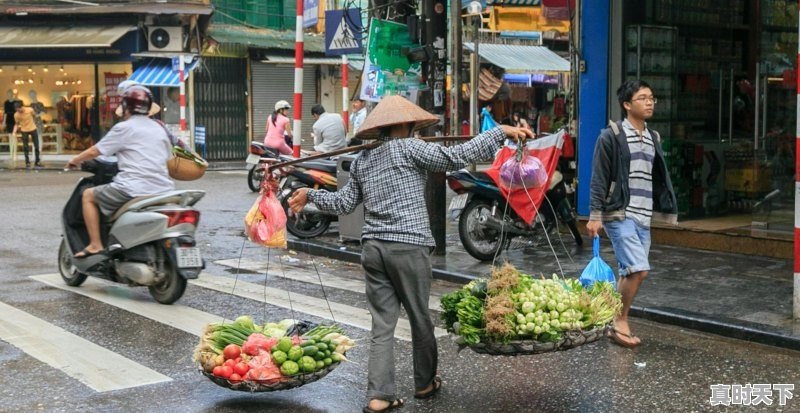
[695, 321]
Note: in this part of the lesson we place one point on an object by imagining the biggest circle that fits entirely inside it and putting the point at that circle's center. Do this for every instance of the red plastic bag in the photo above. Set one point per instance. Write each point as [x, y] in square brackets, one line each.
[526, 202]
[265, 223]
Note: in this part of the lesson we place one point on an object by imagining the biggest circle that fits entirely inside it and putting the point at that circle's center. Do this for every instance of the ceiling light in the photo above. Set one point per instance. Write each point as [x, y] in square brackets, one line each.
[79, 82]
[30, 80]
[30, 69]
[45, 69]
[62, 68]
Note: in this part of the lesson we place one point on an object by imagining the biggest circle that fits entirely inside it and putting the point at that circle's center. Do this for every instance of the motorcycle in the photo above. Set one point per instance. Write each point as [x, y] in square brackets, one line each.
[315, 174]
[487, 225]
[150, 239]
[260, 157]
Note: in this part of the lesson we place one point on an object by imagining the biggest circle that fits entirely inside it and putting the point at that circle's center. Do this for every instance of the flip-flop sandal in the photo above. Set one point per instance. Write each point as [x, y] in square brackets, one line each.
[437, 385]
[86, 254]
[393, 404]
[615, 334]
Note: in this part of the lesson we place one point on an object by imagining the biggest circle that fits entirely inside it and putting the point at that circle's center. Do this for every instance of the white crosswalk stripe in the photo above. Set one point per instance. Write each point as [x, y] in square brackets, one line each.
[95, 366]
[344, 314]
[299, 274]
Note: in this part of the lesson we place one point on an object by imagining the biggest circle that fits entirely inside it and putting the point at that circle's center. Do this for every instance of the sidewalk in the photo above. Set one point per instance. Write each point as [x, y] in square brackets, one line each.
[739, 296]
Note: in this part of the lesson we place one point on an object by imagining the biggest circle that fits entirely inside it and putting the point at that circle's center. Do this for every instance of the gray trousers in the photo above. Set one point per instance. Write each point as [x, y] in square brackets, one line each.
[398, 273]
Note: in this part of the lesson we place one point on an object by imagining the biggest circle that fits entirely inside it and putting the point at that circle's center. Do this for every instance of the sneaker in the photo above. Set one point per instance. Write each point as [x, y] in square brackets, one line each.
[38, 165]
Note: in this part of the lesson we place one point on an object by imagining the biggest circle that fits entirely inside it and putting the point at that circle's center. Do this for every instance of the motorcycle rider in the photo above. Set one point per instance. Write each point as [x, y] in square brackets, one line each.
[142, 147]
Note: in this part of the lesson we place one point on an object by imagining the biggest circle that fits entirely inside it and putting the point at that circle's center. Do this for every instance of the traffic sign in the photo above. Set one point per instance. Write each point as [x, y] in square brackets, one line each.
[343, 32]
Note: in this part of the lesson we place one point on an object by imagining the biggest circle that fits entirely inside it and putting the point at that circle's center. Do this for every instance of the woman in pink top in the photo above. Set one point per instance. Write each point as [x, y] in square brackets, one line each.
[278, 125]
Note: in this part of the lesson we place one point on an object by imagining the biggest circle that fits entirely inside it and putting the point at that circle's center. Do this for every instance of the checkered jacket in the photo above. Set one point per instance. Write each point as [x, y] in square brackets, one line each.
[390, 181]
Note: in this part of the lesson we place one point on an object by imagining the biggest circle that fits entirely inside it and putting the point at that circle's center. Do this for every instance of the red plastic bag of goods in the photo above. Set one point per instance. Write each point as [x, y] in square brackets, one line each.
[265, 223]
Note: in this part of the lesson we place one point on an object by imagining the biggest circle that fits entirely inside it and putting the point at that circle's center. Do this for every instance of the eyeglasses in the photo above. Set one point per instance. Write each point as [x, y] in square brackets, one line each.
[645, 99]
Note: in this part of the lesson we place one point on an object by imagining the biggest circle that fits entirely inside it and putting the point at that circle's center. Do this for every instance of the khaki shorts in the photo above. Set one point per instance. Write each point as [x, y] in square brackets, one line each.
[109, 199]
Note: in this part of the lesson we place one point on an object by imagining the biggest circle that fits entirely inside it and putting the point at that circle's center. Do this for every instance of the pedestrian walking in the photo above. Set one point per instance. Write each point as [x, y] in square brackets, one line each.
[24, 121]
[397, 242]
[630, 187]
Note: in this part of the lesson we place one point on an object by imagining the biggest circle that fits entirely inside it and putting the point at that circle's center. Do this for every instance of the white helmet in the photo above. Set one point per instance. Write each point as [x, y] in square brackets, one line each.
[282, 104]
[124, 85]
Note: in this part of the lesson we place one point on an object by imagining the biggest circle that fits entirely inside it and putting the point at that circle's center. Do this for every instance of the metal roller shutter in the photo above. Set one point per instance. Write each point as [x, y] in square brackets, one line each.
[272, 83]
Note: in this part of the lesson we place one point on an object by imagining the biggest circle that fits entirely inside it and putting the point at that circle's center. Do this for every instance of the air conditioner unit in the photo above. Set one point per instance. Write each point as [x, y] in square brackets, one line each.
[165, 39]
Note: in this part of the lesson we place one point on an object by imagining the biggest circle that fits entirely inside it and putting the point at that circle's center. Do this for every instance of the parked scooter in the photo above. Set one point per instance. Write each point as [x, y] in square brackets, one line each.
[316, 174]
[260, 157]
[150, 239]
[486, 224]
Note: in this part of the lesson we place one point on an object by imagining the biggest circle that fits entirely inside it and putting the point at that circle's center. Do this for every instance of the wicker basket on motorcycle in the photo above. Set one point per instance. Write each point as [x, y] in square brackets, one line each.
[285, 383]
[571, 339]
[183, 168]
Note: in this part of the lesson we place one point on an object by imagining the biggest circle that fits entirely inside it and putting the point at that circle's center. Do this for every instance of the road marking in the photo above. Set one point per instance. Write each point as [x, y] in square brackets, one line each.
[345, 314]
[300, 274]
[194, 321]
[95, 366]
[233, 172]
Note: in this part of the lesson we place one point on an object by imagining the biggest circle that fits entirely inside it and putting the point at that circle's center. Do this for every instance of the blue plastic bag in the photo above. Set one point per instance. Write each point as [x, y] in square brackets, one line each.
[488, 122]
[597, 270]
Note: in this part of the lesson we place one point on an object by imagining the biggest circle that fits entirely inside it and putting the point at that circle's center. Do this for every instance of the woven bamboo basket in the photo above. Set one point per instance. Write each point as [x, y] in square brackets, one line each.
[286, 383]
[571, 339]
[184, 169]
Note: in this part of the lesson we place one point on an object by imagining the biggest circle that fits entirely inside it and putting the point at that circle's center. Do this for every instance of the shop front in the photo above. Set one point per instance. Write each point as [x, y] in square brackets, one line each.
[724, 75]
[68, 77]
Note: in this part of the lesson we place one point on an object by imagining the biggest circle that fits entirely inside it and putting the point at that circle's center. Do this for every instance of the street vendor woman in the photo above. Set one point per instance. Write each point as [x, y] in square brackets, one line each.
[396, 239]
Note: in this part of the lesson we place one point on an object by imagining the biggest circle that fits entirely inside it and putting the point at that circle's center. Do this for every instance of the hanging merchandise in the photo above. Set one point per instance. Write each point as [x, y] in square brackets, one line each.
[523, 171]
[513, 313]
[387, 70]
[487, 122]
[265, 223]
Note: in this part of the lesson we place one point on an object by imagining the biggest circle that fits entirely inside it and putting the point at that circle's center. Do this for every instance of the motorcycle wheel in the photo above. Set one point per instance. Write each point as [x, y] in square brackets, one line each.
[304, 225]
[254, 178]
[481, 242]
[172, 288]
[69, 273]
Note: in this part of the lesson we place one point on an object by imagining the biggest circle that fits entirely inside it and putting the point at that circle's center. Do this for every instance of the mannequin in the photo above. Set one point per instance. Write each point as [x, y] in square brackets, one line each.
[38, 109]
[8, 110]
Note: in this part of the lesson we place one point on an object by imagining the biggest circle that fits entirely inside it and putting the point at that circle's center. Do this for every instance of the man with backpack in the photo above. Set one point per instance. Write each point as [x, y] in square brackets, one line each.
[630, 187]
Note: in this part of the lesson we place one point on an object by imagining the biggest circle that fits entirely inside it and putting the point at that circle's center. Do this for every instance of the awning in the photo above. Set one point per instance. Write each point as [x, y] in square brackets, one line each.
[158, 72]
[60, 36]
[522, 59]
[356, 64]
[264, 38]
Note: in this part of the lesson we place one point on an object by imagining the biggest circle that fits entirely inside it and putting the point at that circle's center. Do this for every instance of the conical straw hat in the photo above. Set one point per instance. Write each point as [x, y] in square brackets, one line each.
[394, 110]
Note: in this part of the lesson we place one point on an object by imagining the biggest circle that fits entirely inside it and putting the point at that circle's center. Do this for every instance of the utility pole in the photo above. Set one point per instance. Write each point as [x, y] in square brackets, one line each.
[434, 34]
[456, 49]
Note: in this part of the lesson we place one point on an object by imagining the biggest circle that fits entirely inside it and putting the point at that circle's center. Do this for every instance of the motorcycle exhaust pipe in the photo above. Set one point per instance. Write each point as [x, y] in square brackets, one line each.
[311, 209]
[498, 225]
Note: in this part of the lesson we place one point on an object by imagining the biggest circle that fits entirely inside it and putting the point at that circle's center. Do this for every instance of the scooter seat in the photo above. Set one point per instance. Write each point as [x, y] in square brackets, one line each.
[327, 166]
[126, 206]
[481, 176]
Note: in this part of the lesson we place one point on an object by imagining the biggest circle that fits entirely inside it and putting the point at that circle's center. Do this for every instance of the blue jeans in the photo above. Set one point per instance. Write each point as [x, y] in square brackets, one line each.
[631, 242]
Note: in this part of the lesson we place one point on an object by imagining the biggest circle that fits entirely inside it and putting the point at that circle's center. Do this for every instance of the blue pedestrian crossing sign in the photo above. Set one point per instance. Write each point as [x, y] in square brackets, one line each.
[343, 32]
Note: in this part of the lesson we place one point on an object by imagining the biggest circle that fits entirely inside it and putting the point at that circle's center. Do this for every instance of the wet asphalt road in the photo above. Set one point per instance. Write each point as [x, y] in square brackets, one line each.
[670, 372]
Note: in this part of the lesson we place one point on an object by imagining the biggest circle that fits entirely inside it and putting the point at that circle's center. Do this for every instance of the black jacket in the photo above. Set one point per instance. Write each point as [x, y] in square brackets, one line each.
[609, 190]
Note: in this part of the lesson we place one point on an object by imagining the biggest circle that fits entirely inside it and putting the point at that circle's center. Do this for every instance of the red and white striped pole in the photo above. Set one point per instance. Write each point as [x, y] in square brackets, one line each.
[182, 101]
[796, 293]
[345, 94]
[297, 126]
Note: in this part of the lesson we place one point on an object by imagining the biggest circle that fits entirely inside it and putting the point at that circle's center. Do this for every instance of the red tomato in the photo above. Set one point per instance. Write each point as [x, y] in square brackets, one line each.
[225, 372]
[241, 369]
[238, 360]
[217, 371]
[230, 363]
[235, 378]
[231, 351]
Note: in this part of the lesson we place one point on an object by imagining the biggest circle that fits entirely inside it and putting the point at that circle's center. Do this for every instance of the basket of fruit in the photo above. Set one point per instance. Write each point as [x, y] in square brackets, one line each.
[514, 313]
[276, 356]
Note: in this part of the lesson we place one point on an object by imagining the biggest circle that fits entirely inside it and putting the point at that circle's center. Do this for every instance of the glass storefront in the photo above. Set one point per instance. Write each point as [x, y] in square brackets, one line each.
[73, 109]
[724, 75]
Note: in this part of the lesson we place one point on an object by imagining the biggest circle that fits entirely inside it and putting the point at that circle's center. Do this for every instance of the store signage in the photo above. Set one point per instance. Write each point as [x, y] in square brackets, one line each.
[343, 32]
[119, 51]
[310, 13]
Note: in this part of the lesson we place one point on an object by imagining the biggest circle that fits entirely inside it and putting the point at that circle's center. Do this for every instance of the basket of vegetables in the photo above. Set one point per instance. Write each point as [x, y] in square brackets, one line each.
[244, 356]
[186, 165]
[514, 314]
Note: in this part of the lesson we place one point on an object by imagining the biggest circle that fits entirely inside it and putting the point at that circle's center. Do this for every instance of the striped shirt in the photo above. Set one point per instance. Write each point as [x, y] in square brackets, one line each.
[390, 181]
[640, 178]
